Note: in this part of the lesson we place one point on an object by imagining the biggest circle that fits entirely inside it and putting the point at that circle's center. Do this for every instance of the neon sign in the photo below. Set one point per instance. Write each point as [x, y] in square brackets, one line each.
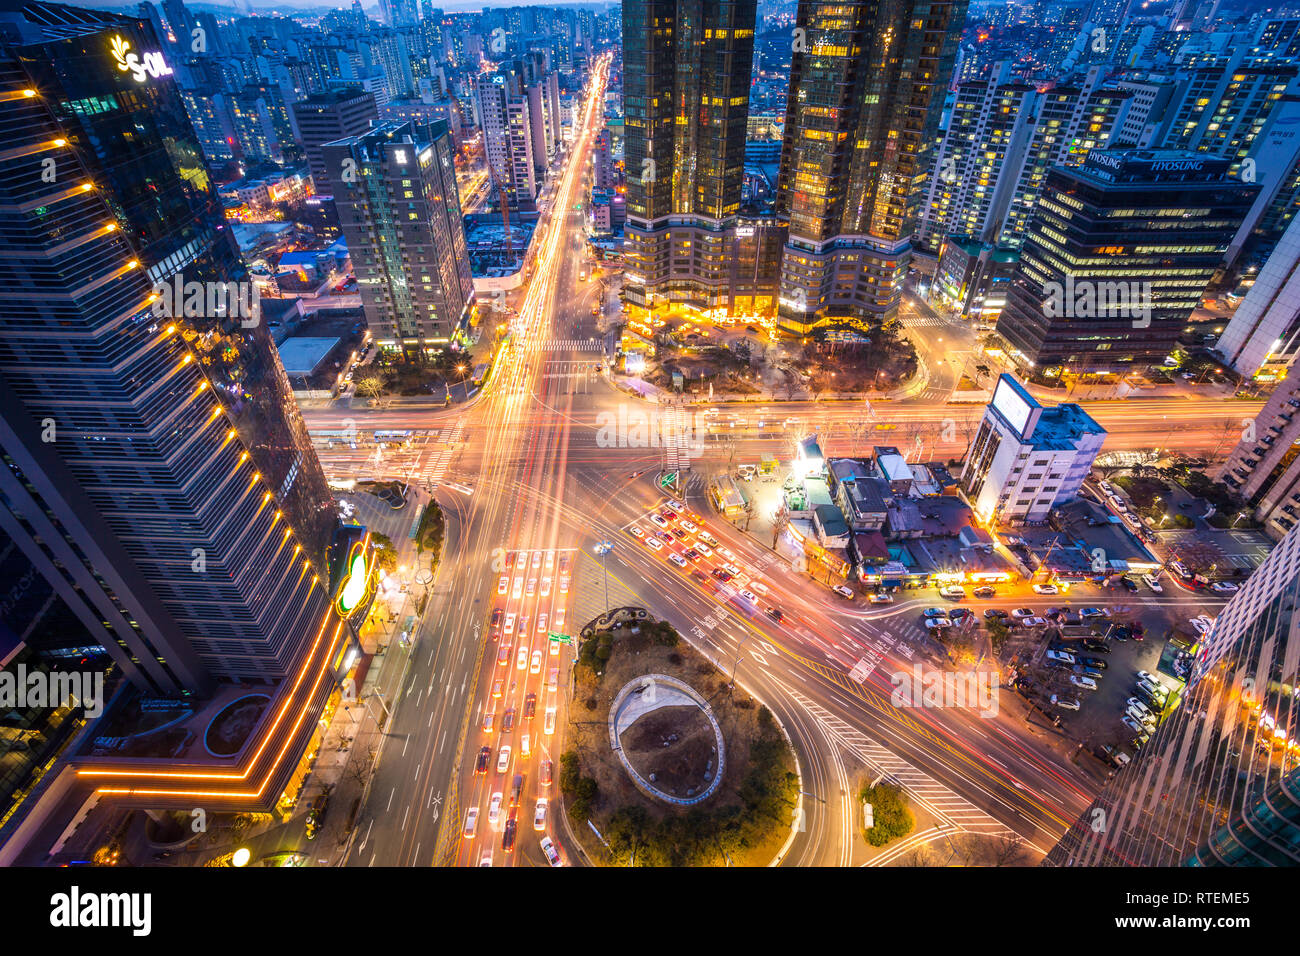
[151, 64]
[354, 586]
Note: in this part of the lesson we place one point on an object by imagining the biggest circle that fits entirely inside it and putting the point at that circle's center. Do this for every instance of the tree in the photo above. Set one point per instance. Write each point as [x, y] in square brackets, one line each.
[892, 818]
[372, 386]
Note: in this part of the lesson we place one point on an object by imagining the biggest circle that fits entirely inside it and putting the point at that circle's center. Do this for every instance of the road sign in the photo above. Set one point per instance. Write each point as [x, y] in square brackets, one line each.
[559, 638]
[668, 480]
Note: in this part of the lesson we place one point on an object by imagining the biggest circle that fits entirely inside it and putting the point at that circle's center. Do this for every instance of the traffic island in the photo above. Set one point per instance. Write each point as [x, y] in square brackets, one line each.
[666, 764]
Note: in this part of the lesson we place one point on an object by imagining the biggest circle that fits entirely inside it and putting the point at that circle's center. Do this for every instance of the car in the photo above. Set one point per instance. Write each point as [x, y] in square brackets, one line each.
[504, 584]
[559, 619]
[984, 591]
[503, 654]
[678, 533]
[1082, 680]
[758, 587]
[1065, 703]
[550, 560]
[510, 624]
[935, 612]
[536, 667]
[960, 613]
[546, 587]
[541, 623]
[658, 520]
[708, 539]
[525, 745]
[544, 777]
[553, 678]
[552, 854]
[497, 616]
[726, 553]
[1046, 589]
[995, 614]
[689, 527]
[654, 544]
[1224, 587]
[508, 720]
[530, 706]
[937, 623]
[1086, 612]
[952, 592]
[749, 596]
[497, 686]
[1117, 756]
[1201, 626]
[489, 722]
[564, 583]
[677, 559]
[532, 587]
[636, 532]
[1133, 724]
[690, 554]
[1107, 487]
[1180, 569]
[880, 598]
[539, 814]
[548, 721]
[1097, 647]
[471, 823]
[521, 659]
[1154, 691]
[843, 591]
[517, 591]
[1033, 621]
[1090, 671]
[1022, 612]
[1129, 584]
[537, 560]
[775, 613]
[503, 758]
[494, 809]
[732, 570]
[1153, 584]
[481, 764]
[1064, 657]
[720, 574]
[1055, 613]
[508, 837]
[675, 505]
[704, 549]
[1097, 662]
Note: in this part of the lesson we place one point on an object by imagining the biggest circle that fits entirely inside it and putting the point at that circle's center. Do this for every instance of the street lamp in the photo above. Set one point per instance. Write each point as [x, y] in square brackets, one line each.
[603, 549]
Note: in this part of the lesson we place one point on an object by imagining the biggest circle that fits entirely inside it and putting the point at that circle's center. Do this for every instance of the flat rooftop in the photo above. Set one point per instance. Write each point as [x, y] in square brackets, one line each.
[302, 354]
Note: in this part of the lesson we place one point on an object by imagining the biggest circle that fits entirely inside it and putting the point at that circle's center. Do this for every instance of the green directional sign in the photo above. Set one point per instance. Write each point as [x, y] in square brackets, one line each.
[668, 480]
[559, 638]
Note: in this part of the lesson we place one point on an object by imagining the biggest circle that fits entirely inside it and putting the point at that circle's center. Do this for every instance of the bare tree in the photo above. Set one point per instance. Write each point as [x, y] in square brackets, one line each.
[919, 856]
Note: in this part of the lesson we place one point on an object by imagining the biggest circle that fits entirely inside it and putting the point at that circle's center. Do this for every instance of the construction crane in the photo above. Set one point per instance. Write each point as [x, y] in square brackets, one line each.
[505, 214]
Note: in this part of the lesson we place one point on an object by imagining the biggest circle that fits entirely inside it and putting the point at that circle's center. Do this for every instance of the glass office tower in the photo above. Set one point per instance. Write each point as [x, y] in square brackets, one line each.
[157, 471]
[1218, 784]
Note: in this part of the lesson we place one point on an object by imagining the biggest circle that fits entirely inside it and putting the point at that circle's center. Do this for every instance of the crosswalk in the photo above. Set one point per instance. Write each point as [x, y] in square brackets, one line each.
[948, 807]
[925, 322]
[569, 370]
[572, 345]
[935, 394]
[675, 438]
[436, 466]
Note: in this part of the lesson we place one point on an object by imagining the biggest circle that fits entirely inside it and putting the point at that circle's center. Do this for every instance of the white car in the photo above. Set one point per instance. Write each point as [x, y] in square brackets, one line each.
[1022, 612]
[537, 560]
[548, 721]
[525, 745]
[559, 619]
[504, 584]
[688, 527]
[677, 559]
[726, 554]
[749, 596]
[536, 667]
[1153, 584]
[1065, 703]
[532, 587]
[1140, 710]
[546, 587]
[552, 854]
[510, 624]
[654, 544]
[675, 505]
[517, 591]
[843, 591]
[880, 598]
[1201, 626]
[636, 532]
[1107, 487]
[1046, 589]
[953, 591]
[1087, 683]
[550, 560]
[521, 659]
[1033, 621]
[494, 810]
[703, 549]
[1180, 569]
[541, 623]
[471, 823]
[1063, 657]
[937, 623]
[1133, 724]
[732, 570]
[758, 587]
[539, 815]
[1223, 587]
[503, 759]
[656, 519]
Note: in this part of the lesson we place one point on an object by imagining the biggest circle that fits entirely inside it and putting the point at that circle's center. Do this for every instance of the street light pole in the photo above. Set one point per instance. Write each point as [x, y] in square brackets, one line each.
[603, 549]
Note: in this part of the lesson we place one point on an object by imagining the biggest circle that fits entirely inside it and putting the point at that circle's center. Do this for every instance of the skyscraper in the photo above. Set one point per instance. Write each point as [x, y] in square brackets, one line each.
[686, 104]
[331, 116]
[158, 472]
[1263, 335]
[1264, 468]
[1218, 784]
[398, 204]
[1118, 254]
[866, 83]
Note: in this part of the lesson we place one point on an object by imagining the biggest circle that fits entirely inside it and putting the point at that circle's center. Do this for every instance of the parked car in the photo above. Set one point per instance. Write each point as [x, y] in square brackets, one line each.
[1046, 589]
[1087, 612]
[984, 592]
[937, 623]
[1097, 647]
[995, 614]
[1065, 703]
[880, 598]
[1098, 662]
[843, 591]
[960, 613]
[1033, 621]
[1022, 612]
[1152, 583]
[1129, 584]
[1063, 657]
[952, 592]
[1081, 680]
[1224, 587]
[1133, 724]
[935, 612]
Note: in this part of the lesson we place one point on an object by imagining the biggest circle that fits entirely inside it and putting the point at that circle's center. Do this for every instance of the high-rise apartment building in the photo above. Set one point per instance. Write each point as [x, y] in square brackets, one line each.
[866, 86]
[158, 472]
[1217, 784]
[326, 117]
[686, 101]
[1264, 468]
[395, 188]
[507, 121]
[1118, 254]
[1263, 335]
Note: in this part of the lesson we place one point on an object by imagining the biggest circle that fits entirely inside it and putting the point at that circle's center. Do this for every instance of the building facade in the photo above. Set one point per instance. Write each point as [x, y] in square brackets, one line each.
[1264, 468]
[331, 116]
[1263, 336]
[399, 208]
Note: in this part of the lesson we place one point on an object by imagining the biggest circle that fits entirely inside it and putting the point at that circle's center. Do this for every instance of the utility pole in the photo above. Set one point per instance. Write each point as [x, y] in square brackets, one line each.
[603, 549]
